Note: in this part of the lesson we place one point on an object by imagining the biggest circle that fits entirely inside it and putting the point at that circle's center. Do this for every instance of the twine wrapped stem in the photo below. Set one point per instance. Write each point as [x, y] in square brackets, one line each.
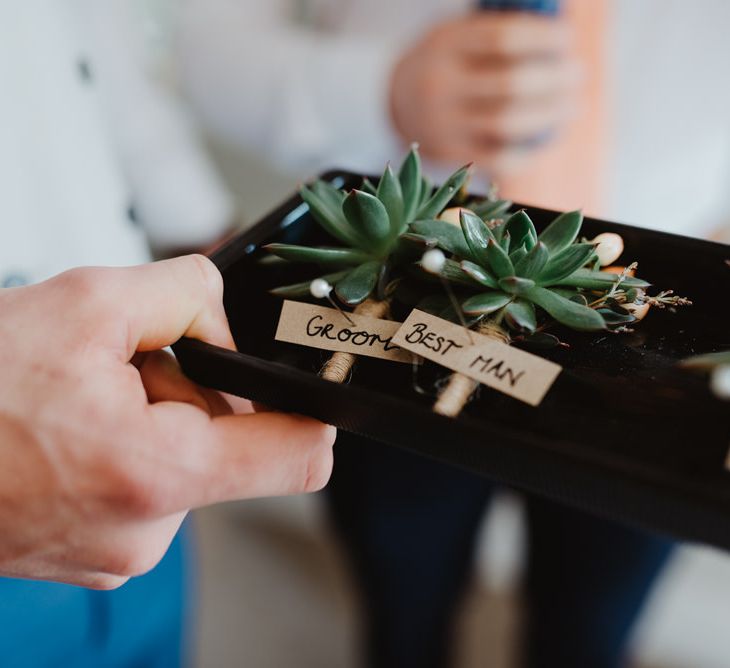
[337, 368]
[460, 388]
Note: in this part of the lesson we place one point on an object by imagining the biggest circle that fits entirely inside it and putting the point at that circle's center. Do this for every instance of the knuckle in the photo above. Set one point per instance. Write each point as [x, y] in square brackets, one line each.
[85, 286]
[134, 495]
[211, 277]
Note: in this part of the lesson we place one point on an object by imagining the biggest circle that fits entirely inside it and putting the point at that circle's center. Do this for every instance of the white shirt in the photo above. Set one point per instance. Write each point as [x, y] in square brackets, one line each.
[85, 141]
[306, 86]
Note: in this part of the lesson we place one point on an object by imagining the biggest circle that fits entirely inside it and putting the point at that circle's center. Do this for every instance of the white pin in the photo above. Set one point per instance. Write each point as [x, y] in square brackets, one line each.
[321, 289]
[720, 381]
[433, 262]
[609, 247]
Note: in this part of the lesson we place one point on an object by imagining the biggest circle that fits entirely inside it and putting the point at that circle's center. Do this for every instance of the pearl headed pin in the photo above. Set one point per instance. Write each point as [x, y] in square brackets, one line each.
[321, 289]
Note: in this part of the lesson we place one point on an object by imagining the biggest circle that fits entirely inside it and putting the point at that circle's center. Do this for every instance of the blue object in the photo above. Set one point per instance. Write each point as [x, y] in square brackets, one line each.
[409, 526]
[539, 6]
[142, 624]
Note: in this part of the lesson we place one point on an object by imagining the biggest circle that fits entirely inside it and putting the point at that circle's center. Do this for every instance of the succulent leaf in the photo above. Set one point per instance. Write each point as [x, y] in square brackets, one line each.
[566, 311]
[515, 285]
[449, 237]
[411, 183]
[486, 303]
[330, 218]
[505, 240]
[521, 230]
[440, 199]
[614, 317]
[368, 216]
[323, 256]
[518, 255]
[477, 235]
[327, 192]
[543, 341]
[390, 194]
[534, 262]
[426, 190]
[368, 187]
[480, 274]
[453, 272]
[599, 280]
[303, 289]
[489, 209]
[499, 261]
[562, 232]
[566, 263]
[357, 285]
[520, 314]
[572, 294]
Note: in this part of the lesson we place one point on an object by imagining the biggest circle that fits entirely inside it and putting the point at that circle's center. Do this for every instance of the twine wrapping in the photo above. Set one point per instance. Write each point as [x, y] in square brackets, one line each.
[460, 388]
[337, 368]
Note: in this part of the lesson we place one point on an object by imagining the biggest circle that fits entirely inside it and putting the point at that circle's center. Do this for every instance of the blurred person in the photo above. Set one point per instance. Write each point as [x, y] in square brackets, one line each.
[308, 84]
[582, 110]
[97, 162]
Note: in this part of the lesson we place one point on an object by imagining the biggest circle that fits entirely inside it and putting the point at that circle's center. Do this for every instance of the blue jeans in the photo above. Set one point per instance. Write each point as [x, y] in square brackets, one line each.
[140, 625]
[409, 526]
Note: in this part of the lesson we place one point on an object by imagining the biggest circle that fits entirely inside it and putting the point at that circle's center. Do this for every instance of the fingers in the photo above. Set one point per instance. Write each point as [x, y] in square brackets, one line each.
[150, 306]
[530, 80]
[242, 456]
[516, 125]
[511, 35]
[163, 380]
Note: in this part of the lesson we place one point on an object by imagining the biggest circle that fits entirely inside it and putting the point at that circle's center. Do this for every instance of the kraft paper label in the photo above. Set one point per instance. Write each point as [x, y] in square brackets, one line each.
[328, 329]
[512, 371]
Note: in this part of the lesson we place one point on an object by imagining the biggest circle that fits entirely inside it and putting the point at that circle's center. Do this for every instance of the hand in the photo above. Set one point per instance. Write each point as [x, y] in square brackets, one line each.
[104, 444]
[488, 86]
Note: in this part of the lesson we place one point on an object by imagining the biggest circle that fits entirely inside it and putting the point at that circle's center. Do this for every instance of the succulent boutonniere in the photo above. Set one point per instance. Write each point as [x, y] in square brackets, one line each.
[370, 224]
[523, 282]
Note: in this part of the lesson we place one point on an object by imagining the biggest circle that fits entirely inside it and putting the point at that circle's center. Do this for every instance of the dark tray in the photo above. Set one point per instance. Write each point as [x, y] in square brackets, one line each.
[623, 432]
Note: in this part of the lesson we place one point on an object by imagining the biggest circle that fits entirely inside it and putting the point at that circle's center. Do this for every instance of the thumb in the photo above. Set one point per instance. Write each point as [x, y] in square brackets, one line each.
[167, 300]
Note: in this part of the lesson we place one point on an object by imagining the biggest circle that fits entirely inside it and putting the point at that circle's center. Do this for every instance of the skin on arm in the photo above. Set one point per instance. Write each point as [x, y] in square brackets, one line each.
[486, 86]
[104, 444]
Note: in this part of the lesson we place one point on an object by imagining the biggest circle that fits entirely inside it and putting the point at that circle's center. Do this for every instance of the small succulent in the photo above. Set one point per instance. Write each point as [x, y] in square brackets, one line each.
[369, 223]
[517, 272]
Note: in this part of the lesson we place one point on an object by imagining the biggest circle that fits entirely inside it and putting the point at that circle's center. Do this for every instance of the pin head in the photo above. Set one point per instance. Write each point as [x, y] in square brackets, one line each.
[433, 261]
[609, 247]
[320, 288]
[721, 381]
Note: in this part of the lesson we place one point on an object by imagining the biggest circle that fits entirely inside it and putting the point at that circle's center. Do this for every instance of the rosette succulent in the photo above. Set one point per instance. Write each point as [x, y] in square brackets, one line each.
[517, 274]
[369, 223]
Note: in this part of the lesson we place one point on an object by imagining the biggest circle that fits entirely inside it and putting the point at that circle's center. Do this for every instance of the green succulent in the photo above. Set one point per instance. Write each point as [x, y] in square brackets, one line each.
[517, 272]
[370, 224]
